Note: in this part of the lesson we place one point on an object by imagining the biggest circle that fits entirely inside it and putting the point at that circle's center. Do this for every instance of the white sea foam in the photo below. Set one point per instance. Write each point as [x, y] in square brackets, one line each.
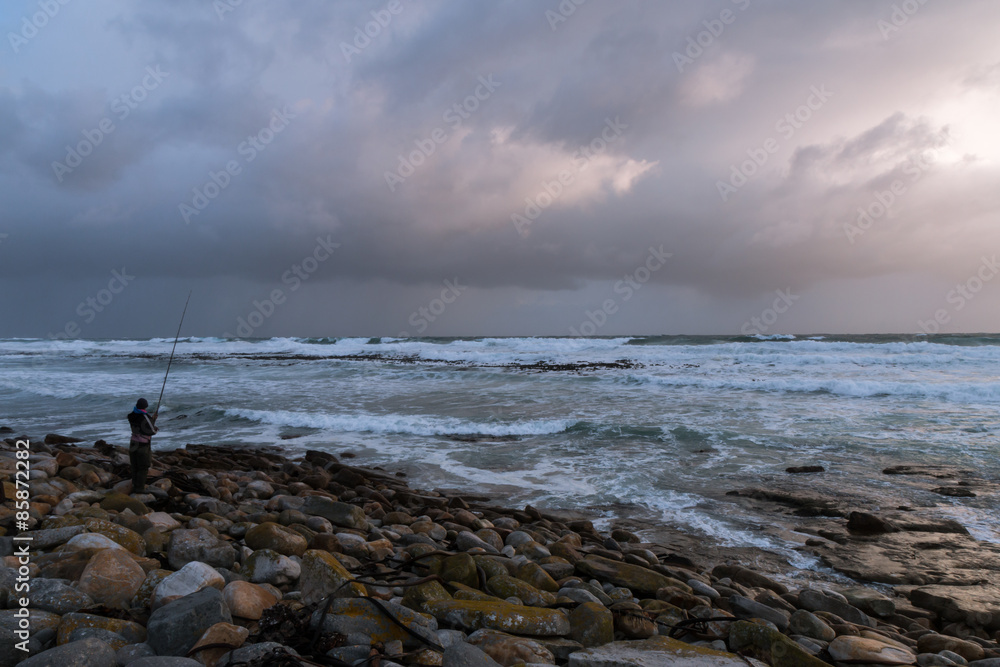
[399, 423]
[957, 392]
[790, 352]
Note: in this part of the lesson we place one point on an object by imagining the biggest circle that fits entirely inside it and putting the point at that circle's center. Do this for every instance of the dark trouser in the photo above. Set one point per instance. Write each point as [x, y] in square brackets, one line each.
[140, 457]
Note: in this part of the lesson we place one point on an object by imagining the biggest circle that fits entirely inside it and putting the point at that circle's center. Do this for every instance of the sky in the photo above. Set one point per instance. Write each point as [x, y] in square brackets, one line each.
[573, 167]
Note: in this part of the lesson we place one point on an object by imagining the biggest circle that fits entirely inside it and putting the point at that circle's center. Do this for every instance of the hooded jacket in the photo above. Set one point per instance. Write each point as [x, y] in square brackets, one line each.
[141, 425]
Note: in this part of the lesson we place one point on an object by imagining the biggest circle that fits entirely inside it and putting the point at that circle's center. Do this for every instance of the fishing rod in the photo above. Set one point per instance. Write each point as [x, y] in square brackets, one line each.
[176, 338]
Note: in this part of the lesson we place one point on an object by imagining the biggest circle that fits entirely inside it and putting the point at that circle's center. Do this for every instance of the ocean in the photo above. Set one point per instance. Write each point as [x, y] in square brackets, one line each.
[656, 429]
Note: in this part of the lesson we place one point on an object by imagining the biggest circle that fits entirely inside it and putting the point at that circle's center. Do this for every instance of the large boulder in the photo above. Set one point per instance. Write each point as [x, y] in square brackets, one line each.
[126, 537]
[212, 644]
[642, 581]
[359, 615]
[505, 586]
[863, 650]
[175, 627]
[749, 578]
[470, 615]
[746, 608]
[462, 654]
[189, 579]
[509, 650]
[337, 513]
[976, 606]
[870, 601]
[808, 624]
[460, 567]
[814, 600]
[91, 542]
[538, 577]
[417, 596]
[90, 652]
[767, 644]
[55, 596]
[162, 521]
[43, 540]
[265, 566]
[70, 623]
[247, 600]
[323, 575]
[654, 652]
[935, 643]
[199, 544]
[631, 621]
[592, 624]
[466, 541]
[112, 639]
[112, 578]
[270, 535]
[580, 595]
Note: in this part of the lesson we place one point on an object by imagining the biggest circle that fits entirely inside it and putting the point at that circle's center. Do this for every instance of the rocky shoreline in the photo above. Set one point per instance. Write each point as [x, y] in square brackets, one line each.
[246, 557]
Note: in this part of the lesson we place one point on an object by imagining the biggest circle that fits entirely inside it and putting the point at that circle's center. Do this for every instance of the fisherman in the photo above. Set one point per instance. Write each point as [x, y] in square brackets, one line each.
[140, 454]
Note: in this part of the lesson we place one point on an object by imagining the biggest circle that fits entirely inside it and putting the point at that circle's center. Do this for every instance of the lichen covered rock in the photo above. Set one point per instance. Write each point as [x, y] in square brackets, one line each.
[471, 615]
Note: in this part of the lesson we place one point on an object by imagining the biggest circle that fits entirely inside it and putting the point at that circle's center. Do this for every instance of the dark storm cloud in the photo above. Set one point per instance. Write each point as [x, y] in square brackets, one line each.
[353, 109]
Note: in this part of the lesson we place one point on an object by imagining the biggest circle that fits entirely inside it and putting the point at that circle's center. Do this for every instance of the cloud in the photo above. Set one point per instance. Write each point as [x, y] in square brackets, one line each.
[717, 81]
[648, 180]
